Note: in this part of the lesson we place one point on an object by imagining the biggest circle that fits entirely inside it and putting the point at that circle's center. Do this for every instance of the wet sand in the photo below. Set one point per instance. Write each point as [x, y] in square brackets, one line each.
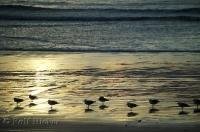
[88, 126]
[70, 78]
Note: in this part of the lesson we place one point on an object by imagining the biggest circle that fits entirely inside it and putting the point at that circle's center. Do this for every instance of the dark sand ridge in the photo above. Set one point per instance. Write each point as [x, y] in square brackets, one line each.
[46, 124]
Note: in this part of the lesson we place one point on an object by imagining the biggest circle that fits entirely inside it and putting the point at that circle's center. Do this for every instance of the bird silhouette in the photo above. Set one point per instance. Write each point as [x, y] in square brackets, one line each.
[103, 99]
[182, 105]
[52, 102]
[153, 102]
[88, 102]
[197, 103]
[32, 97]
[18, 100]
[131, 105]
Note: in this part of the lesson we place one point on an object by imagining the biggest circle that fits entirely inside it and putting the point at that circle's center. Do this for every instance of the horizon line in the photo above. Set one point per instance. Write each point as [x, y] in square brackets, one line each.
[103, 51]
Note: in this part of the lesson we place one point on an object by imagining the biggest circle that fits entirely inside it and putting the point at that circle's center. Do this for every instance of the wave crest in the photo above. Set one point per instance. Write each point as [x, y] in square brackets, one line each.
[18, 12]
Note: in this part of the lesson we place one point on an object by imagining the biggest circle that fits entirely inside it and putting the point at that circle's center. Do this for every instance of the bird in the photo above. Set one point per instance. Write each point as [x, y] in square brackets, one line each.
[196, 102]
[32, 97]
[103, 99]
[18, 100]
[153, 102]
[182, 105]
[131, 105]
[88, 102]
[52, 102]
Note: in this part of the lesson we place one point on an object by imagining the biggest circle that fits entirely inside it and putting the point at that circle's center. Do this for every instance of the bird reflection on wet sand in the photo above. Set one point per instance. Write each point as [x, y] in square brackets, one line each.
[102, 107]
[52, 111]
[32, 104]
[88, 110]
[153, 110]
[131, 114]
[18, 108]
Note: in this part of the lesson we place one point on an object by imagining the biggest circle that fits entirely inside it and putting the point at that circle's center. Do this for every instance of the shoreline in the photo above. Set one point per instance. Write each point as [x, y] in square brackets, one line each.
[101, 51]
[89, 126]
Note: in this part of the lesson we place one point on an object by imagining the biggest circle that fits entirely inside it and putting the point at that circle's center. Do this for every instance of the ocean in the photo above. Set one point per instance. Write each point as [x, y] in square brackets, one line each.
[122, 49]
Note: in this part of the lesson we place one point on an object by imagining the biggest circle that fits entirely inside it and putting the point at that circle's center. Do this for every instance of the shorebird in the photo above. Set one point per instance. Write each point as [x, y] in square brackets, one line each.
[52, 102]
[182, 105]
[131, 105]
[18, 100]
[103, 99]
[153, 102]
[32, 97]
[196, 102]
[88, 102]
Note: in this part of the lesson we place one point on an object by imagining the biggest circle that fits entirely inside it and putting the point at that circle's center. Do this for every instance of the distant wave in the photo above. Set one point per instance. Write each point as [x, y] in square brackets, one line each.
[18, 12]
[32, 18]
[96, 50]
[32, 8]
[24, 38]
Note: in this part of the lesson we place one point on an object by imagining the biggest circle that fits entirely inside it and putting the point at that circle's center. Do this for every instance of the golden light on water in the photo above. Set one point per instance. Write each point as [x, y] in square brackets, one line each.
[71, 78]
[42, 64]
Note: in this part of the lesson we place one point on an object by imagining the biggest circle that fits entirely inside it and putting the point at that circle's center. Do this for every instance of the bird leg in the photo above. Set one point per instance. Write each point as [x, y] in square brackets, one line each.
[182, 109]
[51, 107]
[88, 107]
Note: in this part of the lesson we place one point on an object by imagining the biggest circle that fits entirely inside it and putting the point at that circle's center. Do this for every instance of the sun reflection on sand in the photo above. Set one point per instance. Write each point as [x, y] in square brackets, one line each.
[71, 78]
[42, 64]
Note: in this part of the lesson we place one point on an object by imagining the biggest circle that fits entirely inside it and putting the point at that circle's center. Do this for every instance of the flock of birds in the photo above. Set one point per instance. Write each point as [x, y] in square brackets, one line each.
[33, 97]
[153, 102]
[130, 104]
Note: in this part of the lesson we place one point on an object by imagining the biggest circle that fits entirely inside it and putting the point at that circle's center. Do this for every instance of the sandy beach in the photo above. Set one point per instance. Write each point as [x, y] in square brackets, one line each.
[100, 65]
[123, 79]
[42, 124]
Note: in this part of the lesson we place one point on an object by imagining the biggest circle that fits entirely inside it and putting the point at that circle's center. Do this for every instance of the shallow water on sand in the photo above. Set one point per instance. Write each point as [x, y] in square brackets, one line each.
[69, 78]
